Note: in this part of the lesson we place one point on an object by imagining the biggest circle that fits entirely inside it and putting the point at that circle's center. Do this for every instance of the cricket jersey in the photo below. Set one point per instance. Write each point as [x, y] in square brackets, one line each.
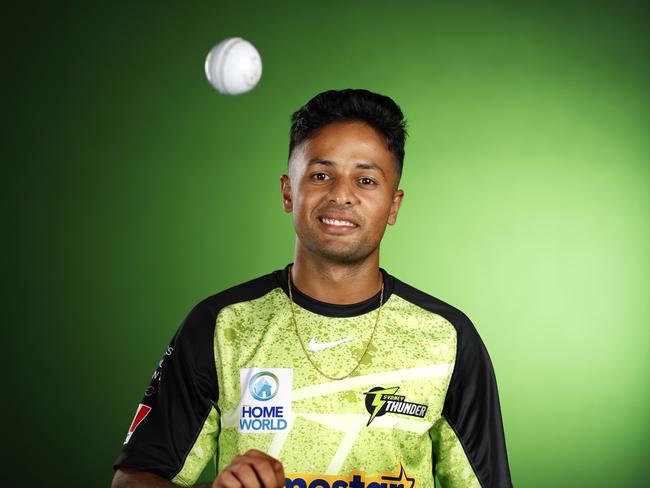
[235, 377]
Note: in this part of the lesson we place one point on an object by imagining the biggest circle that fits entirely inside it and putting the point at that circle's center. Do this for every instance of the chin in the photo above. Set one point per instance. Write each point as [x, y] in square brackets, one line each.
[342, 254]
[344, 250]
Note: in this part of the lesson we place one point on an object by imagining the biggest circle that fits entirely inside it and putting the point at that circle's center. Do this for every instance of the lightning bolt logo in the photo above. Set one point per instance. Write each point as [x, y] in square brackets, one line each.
[377, 402]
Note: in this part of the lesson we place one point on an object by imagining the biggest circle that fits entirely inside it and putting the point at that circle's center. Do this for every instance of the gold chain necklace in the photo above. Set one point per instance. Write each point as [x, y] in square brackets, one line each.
[302, 343]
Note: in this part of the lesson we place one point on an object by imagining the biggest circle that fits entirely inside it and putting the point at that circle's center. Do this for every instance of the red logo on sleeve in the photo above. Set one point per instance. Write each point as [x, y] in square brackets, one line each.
[140, 414]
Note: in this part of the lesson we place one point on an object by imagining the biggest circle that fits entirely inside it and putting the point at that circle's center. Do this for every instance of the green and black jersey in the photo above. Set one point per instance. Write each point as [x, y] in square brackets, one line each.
[235, 377]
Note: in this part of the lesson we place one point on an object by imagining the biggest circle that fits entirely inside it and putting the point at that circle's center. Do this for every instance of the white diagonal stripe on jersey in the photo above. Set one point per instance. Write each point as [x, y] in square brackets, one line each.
[375, 379]
[345, 446]
[351, 424]
[338, 421]
[401, 423]
[281, 437]
[349, 421]
[231, 418]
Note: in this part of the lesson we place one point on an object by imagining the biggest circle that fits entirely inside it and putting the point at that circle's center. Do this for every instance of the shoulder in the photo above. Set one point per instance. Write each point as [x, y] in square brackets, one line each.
[201, 318]
[453, 315]
[472, 358]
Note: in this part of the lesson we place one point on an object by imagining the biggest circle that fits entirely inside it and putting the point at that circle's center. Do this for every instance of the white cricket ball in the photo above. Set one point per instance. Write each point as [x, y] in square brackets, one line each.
[233, 66]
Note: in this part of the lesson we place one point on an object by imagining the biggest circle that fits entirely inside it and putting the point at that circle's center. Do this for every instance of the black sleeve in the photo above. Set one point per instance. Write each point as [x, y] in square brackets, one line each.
[470, 430]
[178, 405]
[472, 406]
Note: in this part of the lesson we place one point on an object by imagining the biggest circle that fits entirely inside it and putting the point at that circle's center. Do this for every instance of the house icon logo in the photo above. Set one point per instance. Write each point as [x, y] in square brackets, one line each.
[263, 386]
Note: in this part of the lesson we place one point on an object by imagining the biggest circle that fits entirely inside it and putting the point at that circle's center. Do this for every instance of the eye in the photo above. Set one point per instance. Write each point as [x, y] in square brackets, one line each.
[320, 176]
[367, 181]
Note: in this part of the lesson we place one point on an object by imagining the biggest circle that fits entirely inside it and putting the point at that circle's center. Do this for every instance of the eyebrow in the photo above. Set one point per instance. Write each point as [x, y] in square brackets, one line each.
[363, 165]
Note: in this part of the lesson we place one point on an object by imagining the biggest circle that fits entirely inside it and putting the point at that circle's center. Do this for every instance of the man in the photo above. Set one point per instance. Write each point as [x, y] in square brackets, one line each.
[329, 373]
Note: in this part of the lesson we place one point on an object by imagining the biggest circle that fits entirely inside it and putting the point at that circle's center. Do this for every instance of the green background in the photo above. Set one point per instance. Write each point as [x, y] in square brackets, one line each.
[132, 190]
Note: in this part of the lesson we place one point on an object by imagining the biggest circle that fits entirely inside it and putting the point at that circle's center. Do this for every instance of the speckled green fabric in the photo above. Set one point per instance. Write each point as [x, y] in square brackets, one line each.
[307, 437]
[413, 349]
[453, 467]
[202, 451]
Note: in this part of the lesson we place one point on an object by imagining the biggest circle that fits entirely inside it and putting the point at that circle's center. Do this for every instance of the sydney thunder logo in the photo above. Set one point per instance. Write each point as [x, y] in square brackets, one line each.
[380, 401]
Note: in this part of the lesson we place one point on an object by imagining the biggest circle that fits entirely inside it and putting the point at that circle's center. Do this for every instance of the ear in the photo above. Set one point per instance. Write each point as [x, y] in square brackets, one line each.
[285, 189]
[394, 206]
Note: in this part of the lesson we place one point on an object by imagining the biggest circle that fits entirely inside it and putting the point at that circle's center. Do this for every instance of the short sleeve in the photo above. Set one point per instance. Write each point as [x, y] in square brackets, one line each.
[175, 428]
[468, 440]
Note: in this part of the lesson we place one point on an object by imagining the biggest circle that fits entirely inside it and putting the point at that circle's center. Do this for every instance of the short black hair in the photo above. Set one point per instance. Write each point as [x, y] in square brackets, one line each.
[378, 111]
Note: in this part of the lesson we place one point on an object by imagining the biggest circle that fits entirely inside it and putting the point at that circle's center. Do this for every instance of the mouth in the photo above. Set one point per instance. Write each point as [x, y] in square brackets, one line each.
[338, 224]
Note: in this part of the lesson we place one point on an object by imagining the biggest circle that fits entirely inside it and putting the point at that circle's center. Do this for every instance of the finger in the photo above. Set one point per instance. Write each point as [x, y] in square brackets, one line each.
[246, 475]
[264, 468]
[277, 465]
[227, 480]
[261, 454]
[279, 474]
[278, 469]
[257, 453]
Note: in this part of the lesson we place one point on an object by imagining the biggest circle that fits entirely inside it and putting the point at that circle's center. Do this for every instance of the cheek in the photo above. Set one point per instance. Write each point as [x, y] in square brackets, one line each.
[298, 205]
[304, 202]
[379, 208]
[301, 212]
[382, 216]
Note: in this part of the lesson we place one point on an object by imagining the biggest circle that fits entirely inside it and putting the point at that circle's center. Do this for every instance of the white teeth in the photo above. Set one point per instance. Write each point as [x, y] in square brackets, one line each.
[344, 223]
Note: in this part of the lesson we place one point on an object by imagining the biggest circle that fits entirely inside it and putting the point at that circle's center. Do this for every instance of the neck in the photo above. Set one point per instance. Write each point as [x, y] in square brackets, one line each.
[336, 282]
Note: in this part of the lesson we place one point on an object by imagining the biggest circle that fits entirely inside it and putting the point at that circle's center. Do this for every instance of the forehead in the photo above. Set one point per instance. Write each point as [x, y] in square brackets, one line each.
[346, 143]
[343, 141]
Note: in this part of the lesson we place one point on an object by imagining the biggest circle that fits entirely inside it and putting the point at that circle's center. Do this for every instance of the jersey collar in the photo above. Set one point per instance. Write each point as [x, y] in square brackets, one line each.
[333, 309]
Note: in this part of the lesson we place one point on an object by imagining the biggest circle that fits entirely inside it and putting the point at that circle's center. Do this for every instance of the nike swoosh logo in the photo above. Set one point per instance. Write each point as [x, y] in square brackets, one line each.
[319, 346]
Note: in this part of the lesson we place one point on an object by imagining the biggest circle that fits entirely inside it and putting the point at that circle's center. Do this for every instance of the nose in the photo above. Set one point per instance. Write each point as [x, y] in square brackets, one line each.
[341, 192]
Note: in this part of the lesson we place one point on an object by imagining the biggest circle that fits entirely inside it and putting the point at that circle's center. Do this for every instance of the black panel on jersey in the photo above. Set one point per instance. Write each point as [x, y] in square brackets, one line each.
[183, 394]
[472, 403]
[331, 309]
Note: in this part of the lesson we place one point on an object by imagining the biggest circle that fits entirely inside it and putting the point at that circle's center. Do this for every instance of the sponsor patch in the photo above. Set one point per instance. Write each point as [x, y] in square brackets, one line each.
[265, 405]
[140, 414]
[157, 374]
[355, 479]
[380, 401]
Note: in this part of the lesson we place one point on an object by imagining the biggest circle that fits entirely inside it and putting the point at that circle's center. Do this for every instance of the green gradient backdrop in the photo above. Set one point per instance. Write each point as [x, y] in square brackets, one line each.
[133, 190]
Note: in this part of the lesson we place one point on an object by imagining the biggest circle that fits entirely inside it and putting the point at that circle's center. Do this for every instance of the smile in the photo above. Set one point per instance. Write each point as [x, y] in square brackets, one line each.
[337, 223]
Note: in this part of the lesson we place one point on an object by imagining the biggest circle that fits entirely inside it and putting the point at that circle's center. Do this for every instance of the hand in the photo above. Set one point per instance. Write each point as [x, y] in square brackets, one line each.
[254, 469]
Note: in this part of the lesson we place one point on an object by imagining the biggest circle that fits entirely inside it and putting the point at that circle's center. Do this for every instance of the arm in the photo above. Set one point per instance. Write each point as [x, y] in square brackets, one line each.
[468, 440]
[174, 432]
[255, 469]
[128, 478]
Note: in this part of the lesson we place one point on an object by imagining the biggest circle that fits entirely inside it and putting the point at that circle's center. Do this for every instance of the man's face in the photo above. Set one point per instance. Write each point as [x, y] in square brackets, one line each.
[342, 191]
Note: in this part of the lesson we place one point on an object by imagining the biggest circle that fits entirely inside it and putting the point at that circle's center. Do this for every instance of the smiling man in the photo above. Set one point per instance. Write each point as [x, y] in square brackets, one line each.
[331, 372]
